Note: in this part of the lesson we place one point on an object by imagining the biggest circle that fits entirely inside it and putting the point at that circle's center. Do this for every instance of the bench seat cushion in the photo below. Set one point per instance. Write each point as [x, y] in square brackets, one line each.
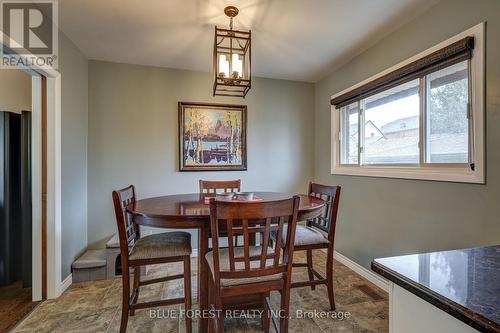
[91, 259]
[162, 245]
[114, 242]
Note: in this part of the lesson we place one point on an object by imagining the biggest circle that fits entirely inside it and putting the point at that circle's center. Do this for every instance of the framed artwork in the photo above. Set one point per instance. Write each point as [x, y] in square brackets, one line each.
[212, 137]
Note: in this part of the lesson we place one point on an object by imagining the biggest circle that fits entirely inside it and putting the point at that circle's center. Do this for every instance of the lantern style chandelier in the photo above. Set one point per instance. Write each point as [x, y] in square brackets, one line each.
[232, 59]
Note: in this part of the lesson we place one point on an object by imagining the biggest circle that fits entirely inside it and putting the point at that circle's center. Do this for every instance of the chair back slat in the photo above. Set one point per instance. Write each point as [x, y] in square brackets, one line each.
[246, 244]
[265, 243]
[279, 239]
[212, 187]
[128, 231]
[247, 219]
[230, 243]
[326, 222]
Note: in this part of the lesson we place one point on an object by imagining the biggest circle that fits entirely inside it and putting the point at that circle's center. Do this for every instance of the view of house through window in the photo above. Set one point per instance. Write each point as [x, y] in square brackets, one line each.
[391, 122]
[392, 125]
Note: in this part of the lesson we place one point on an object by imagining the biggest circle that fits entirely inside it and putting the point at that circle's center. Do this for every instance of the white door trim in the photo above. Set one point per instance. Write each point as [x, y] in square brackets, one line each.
[54, 277]
[36, 186]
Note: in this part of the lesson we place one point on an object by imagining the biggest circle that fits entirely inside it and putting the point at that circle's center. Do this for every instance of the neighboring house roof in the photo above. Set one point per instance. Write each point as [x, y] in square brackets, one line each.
[369, 127]
[400, 125]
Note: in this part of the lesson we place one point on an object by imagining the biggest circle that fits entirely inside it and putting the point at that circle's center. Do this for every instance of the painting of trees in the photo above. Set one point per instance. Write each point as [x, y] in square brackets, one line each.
[232, 120]
[196, 126]
[212, 137]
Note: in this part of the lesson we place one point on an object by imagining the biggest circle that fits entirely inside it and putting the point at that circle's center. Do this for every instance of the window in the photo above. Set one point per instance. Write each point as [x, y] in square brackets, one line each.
[350, 138]
[423, 119]
[447, 123]
[391, 121]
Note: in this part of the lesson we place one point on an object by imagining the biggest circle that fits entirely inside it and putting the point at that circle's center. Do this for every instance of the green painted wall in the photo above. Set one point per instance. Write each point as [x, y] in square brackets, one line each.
[133, 136]
[73, 66]
[385, 217]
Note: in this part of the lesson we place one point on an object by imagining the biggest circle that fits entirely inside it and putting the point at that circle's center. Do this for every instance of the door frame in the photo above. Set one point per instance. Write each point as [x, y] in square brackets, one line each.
[47, 281]
[46, 255]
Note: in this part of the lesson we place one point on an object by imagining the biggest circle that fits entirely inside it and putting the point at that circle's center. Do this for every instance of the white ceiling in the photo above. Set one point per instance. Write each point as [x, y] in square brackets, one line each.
[299, 40]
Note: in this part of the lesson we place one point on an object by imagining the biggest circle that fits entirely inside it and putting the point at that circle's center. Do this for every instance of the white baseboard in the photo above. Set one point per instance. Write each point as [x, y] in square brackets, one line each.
[66, 283]
[366, 273]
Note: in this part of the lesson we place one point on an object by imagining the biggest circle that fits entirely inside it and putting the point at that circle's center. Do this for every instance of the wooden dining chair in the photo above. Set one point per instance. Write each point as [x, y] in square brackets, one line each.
[136, 251]
[319, 233]
[239, 273]
[212, 187]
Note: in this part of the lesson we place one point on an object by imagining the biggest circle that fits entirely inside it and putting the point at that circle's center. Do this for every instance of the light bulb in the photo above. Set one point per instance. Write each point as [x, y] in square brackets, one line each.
[223, 66]
[237, 69]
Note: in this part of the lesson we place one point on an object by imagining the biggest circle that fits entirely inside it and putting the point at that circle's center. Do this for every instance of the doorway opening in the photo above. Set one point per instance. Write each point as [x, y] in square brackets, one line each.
[16, 224]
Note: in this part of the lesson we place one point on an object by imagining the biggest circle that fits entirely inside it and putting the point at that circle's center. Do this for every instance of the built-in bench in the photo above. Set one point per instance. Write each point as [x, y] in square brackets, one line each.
[90, 266]
[100, 264]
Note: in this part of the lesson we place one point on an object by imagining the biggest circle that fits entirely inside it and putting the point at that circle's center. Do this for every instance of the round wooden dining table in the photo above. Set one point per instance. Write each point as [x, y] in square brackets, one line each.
[191, 211]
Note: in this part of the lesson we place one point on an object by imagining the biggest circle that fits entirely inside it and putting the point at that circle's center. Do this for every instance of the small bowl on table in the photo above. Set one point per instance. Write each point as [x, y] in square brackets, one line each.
[244, 196]
[226, 196]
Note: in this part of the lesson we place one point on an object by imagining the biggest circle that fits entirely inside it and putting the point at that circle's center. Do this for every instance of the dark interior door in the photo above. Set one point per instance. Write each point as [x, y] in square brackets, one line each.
[15, 198]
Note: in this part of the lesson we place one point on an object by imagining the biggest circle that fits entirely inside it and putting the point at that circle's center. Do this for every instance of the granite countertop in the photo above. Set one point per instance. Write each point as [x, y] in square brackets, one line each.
[464, 283]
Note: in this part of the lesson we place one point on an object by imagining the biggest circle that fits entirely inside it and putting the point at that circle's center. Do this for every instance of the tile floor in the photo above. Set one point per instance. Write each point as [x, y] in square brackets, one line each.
[95, 306]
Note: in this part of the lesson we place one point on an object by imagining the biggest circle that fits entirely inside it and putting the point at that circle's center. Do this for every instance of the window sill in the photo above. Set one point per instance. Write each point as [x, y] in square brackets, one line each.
[444, 174]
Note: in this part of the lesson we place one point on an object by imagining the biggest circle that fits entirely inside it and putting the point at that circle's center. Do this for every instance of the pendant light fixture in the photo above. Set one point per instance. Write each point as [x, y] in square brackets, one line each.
[232, 59]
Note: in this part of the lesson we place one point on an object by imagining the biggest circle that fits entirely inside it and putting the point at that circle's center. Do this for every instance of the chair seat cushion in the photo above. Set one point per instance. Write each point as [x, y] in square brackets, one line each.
[238, 252]
[305, 235]
[162, 245]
